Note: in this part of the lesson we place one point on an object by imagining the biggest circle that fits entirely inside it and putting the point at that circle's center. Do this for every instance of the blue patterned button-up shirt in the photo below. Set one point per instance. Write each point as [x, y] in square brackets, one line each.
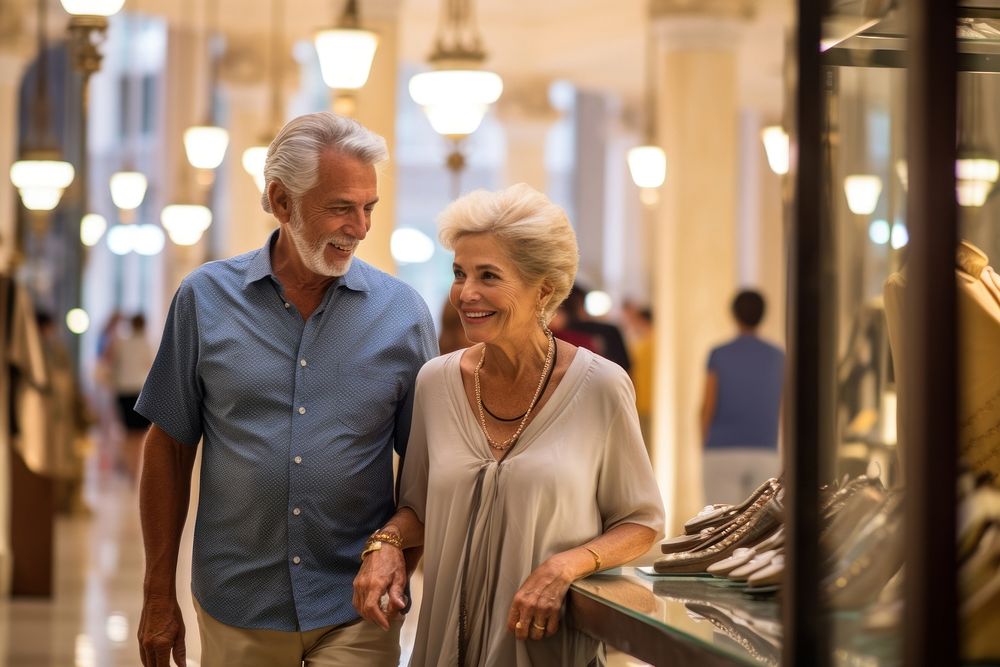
[298, 421]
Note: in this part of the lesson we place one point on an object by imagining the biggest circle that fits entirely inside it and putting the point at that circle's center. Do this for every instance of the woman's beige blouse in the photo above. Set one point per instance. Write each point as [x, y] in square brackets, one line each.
[579, 469]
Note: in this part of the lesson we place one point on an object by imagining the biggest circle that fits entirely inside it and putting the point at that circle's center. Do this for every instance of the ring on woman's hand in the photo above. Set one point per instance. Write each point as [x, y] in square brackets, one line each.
[383, 602]
[536, 626]
[519, 625]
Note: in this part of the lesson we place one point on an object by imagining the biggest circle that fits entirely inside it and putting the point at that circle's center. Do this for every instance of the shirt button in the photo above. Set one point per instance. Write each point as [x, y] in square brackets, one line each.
[288, 305]
[298, 459]
[296, 511]
[302, 362]
[302, 411]
[296, 560]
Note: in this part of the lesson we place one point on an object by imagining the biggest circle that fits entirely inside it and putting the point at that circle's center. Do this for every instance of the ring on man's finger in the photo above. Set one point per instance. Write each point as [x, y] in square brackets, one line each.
[383, 602]
[518, 625]
[536, 626]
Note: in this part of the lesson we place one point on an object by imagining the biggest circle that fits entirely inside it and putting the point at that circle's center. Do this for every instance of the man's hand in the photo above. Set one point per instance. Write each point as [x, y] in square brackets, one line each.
[161, 630]
[378, 588]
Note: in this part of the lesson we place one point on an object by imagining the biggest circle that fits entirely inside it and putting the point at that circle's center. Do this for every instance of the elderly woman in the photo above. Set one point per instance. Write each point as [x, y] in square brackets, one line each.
[525, 468]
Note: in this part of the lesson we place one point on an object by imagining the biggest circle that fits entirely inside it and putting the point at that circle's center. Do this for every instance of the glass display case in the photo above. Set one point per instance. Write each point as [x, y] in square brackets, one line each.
[892, 411]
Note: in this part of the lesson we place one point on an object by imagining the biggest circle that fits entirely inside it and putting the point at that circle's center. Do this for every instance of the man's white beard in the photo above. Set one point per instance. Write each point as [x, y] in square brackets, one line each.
[313, 255]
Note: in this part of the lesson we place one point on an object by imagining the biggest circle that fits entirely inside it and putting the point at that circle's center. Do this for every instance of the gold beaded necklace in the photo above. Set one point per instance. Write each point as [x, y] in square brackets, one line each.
[509, 442]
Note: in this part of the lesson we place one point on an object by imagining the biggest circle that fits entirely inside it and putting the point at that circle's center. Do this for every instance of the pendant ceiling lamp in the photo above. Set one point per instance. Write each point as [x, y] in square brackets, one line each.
[346, 51]
[648, 163]
[458, 92]
[976, 169]
[862, 192]
[128, 186]
[206, 143]
[255, 156]
[41, 175]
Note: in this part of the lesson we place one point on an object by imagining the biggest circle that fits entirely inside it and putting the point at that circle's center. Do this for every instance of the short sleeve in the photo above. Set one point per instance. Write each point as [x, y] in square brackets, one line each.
[713, 360]
[171, 397]
[413, 481]
[626, 488]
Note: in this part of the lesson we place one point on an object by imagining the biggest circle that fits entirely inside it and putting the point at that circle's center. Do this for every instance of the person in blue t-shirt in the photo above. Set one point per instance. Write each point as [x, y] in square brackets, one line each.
[741, 407]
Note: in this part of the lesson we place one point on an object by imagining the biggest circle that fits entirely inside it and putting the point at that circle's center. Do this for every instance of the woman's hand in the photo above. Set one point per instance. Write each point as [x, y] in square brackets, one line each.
[378, 588]
[534, 613]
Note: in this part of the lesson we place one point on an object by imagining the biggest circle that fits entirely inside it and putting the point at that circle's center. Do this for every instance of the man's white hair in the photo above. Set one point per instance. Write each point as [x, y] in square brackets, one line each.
[293, 156]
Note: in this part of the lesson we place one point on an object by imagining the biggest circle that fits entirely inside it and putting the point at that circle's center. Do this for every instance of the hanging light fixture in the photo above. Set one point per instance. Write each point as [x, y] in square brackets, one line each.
[458, 92]
[254, 157]
[862, 191]
[41, 175]
[775, 141]
[128, 186]
[128, 189]
[976, 168]
[205, 144]
[648, 163]
[345, 56]
[185, 223]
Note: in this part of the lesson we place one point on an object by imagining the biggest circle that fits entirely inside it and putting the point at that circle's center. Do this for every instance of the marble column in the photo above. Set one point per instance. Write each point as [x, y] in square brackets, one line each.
[527, 116]
[376, 109]
[695, 231]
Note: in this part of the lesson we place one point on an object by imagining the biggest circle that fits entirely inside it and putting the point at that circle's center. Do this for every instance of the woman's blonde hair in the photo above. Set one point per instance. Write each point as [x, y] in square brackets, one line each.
[535, 233]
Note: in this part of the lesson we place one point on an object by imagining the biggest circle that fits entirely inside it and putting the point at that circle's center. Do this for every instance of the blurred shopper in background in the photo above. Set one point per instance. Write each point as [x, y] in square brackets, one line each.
[130, 359]
[741, 407]
[607, 335]
[639, 337]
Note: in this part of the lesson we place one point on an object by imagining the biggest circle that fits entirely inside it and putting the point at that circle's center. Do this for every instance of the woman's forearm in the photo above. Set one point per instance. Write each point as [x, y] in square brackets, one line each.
[618, 546]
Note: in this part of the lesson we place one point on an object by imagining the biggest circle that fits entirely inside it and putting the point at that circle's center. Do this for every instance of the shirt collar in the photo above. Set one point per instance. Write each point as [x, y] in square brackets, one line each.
[260, 268]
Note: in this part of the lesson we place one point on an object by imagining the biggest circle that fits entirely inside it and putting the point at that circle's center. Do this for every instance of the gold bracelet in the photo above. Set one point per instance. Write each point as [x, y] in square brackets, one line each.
[597, 558]
[386, 537]
[380, 537]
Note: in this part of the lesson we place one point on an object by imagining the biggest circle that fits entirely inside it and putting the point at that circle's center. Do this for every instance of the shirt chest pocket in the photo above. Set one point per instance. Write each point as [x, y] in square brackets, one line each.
[365, 403]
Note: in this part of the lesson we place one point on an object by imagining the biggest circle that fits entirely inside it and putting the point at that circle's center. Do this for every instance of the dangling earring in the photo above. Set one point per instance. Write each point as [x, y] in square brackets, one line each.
[541, 319]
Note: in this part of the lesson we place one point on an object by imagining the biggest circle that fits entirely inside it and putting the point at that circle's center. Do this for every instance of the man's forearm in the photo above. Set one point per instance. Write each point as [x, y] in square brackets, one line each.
[164, 494]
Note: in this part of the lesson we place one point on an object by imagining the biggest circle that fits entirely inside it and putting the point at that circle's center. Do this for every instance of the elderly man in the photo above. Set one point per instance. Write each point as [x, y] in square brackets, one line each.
[294, 364]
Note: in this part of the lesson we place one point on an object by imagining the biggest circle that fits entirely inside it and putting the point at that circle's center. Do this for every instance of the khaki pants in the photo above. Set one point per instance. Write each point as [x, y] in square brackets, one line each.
[356, 644]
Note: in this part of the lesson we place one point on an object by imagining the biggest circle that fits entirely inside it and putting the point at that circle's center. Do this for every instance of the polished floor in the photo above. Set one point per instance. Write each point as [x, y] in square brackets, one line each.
[92, 617]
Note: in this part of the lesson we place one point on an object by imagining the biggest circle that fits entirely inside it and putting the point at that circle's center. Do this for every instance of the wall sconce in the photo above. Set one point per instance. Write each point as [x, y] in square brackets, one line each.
[862, 191]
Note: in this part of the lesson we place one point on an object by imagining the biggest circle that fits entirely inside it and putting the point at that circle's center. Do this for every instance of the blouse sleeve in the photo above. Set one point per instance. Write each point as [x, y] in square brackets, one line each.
[413, 484]
[626, 488]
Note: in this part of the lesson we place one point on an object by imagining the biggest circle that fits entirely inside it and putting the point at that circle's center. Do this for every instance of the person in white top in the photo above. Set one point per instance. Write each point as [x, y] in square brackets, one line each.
[525, 469]
[131, 359]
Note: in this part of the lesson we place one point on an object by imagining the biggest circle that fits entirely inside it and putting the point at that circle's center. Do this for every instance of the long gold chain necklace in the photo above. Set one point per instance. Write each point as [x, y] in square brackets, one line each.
[509, 442]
